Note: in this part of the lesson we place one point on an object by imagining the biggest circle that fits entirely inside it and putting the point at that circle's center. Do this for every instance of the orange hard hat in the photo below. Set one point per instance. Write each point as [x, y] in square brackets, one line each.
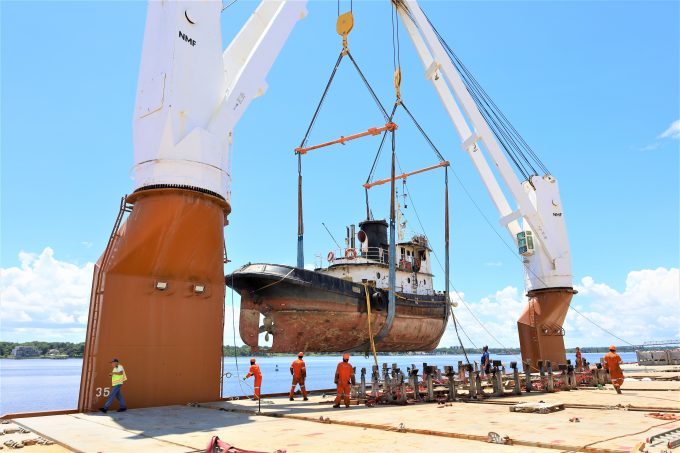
[300, 354]
[345, 356]
[612, 348]
[252, 360]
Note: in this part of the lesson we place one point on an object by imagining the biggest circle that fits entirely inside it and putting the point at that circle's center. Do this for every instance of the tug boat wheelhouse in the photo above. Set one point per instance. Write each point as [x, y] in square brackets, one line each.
[327, 310]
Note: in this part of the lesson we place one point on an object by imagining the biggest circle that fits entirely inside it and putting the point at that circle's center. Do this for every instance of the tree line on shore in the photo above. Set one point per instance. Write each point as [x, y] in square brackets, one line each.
[75, 350]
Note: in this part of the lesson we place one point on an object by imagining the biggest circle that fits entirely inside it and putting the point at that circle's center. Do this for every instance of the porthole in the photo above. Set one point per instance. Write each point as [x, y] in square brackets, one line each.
[408, 280]
[377, 274]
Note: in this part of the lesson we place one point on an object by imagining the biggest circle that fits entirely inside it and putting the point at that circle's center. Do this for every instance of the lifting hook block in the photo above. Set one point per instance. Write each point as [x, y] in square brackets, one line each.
[343, 26]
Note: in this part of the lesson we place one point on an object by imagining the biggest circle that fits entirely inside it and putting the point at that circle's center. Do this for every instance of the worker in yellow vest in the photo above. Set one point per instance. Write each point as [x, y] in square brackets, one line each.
[118, 377]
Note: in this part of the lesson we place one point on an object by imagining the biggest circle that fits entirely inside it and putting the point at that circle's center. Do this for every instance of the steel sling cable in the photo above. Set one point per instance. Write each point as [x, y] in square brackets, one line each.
[321, 101]
[370, 89]
[492, 113]
[375, 162]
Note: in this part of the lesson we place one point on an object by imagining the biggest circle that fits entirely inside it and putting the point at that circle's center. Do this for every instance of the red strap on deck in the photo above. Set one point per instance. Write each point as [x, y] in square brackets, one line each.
[371, 131]
[217, 445]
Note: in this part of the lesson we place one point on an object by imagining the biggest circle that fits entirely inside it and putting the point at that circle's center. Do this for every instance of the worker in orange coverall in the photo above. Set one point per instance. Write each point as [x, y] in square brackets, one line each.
[299, 372]
[255, 371]
[579, 359]
[344, 375]
[611, 363]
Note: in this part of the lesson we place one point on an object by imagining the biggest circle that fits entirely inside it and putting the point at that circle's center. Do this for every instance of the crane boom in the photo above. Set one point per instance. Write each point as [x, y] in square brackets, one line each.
[548, 276]
[550, 266]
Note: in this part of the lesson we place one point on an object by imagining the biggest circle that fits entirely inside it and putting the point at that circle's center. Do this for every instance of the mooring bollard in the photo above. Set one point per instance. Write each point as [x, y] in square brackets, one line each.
[386, 377]
[414, 382]
[599, 374]
[375, 382]
[461, 372]
[362, 385]
[527, 376]
[451, 375]
[498, 378]
[428, 374]
[551, 384]
[517, 389]
[402, 386]
[564, 378]
[478, 383]
[473, 382]
[571, 372]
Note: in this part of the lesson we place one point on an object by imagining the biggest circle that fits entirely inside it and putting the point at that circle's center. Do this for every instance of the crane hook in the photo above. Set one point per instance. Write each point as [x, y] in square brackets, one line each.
[343, 26]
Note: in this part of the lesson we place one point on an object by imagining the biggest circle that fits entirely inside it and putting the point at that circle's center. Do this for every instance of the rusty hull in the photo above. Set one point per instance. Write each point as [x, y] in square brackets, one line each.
[541, 336]
[169, 341]
[310, 312]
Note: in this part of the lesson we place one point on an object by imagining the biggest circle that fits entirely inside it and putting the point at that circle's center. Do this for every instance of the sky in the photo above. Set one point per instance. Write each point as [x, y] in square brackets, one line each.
[593, 87]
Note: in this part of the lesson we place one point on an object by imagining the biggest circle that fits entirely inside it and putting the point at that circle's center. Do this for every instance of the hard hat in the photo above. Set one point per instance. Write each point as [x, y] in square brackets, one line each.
[300, 354]
[345, 356]
[252, 360]
[612, 348]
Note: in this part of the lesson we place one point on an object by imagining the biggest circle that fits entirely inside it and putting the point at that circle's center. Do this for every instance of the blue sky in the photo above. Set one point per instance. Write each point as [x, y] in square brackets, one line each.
[592, 86]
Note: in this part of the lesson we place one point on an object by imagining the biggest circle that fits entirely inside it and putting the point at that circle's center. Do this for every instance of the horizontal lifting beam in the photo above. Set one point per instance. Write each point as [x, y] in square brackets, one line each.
[406, 175]
[372, 131]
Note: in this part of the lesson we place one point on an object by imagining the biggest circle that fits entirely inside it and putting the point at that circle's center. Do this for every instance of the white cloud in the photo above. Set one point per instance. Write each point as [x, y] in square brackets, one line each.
[44, 298]
[647, 309]
[673, 131]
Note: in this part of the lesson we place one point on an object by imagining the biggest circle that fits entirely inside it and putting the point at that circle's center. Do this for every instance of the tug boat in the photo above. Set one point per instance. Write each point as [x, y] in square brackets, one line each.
[327, 309]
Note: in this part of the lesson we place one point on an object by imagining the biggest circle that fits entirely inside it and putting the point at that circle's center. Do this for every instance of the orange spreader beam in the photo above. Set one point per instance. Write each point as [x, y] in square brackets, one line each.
[406, 175]
[372, 131]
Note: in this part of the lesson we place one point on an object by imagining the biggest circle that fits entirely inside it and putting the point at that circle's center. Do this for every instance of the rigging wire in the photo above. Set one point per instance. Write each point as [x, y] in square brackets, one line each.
[517, 149]
[228, 5]
[597, 325]
[331, 235]
[350, 6]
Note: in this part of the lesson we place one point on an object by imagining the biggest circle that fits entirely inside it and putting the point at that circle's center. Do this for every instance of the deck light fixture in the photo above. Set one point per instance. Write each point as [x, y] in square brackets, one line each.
[199, 289]
[161, 286]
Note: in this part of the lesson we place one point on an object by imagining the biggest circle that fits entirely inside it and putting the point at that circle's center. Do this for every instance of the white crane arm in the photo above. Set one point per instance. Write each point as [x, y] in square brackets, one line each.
[191, 94]
[538, 200]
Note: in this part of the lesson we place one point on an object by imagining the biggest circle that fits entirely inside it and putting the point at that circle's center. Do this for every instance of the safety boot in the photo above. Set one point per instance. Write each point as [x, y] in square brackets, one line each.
[618, 390]
[336, 406]
[305, 399]
[292, 399]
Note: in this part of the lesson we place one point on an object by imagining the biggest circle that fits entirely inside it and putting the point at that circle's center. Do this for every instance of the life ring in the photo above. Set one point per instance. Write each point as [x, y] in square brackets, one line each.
[330, 257]
[350, 254]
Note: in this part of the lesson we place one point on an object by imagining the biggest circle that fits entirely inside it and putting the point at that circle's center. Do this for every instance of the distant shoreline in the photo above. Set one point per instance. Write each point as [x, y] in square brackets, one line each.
[69, 350]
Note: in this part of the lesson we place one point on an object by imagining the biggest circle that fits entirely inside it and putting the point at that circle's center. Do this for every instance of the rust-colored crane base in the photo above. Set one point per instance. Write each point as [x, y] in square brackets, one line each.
[541, 336]
[157, 302]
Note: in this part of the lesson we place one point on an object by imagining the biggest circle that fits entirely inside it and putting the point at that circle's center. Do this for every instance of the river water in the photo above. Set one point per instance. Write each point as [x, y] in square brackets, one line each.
[41, 384]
